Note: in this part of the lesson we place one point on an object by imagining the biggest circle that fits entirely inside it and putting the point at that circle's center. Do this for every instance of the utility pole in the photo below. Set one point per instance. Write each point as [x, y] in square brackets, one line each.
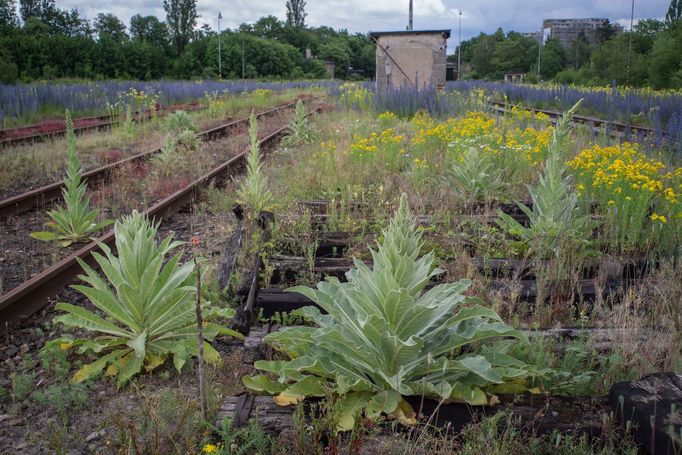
[632, 19]
[540, 44]
[540, 52]
[220, 57]
[243, 54]
[409, 24]
[459, 48]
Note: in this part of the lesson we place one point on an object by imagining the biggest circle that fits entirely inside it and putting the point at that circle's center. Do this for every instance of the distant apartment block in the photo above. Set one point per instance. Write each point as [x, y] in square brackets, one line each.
[537, 36]
[567, 31]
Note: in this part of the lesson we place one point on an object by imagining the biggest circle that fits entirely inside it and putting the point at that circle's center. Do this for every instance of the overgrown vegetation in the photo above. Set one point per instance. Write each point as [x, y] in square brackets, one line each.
[69, 46]
[253, 191]
[437, 312]
[300, 130]
[74, 222]
[653, 62]
[381, 339]
[148, 305]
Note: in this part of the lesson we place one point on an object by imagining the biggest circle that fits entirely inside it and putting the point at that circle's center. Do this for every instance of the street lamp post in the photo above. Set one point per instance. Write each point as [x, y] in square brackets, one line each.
[220, 57]
[243, 51]
[632, 19]
[459, 48]
[540, 43]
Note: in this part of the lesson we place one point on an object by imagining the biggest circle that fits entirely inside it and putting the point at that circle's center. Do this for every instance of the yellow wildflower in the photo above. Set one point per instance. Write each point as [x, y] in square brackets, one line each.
[210, 448]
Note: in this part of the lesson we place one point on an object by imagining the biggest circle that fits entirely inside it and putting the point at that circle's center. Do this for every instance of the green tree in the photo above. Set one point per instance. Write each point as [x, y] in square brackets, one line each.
[108, 26]
[8, 15]
[34, 8]
[609, 62]
[482, 54]
[674, 11]
[337, 53]
[63, 22]
[269, 27]
[8, 69]
[606, 31]
[150, 30]
[645, 34]
[181, 18]
[510, 56]
[144, 60]
[362, 54]
[580, 52]
[296, 13]
[553, 59]
[665, 67]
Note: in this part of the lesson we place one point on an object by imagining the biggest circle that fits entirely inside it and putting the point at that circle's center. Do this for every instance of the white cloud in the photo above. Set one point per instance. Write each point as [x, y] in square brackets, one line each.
[365, 15]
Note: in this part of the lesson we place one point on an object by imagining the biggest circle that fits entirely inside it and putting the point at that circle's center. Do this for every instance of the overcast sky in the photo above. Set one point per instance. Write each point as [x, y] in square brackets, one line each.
[379, 15]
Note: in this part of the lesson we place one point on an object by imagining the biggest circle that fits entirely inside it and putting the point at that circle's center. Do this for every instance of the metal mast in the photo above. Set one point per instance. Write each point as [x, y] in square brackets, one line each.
[459, 48]
[220, 58]
[409, 24]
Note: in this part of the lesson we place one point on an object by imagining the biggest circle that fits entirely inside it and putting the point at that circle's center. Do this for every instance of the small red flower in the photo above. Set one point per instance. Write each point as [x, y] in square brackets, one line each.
[195, 241]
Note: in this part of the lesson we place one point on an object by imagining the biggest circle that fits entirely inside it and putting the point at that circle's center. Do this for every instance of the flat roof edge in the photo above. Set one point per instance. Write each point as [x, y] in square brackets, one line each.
[445, 32]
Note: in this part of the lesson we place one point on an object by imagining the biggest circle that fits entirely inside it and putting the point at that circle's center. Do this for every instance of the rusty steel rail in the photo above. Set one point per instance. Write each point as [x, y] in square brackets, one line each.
[100, 122]
[24, 202]
[36, 293]
[594, 122]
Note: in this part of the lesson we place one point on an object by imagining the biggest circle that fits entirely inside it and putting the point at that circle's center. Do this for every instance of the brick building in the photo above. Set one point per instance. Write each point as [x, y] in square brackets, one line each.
[416, 58]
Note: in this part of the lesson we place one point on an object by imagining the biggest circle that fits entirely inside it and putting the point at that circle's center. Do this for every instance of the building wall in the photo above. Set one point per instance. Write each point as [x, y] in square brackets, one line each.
[537, 36]
[417, 60]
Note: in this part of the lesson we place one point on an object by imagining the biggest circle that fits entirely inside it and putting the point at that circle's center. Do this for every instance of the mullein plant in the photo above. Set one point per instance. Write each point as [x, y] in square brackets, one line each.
[74, 222]
[253, 192]
[477, 179]
[300, 129]
[145, 305]
[557, 227]
[384, 337]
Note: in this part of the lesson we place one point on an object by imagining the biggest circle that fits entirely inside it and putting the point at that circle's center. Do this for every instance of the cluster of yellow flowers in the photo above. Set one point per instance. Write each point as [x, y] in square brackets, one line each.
[657, 217]
[140, 97]
[635, 192]
[261, 92]
[522, 147]
[472, 125]
[529, 143]
[388, 115]
[518, 116]
[354, 95]
[327, 150]
[622, 171]
[388, 141]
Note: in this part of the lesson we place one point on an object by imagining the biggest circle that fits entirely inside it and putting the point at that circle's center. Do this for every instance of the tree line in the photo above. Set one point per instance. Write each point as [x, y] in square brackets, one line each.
[46, 42]
[649, 55]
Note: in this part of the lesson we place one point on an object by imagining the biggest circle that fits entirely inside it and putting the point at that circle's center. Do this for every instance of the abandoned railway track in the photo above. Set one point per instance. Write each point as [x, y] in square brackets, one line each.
[616, 129]
[18, 204]
[49, 129]
[40, 290]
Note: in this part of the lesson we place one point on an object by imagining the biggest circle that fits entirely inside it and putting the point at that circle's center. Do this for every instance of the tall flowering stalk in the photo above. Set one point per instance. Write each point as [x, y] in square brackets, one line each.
[557, 228]
[74, 222]
[254, 190]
